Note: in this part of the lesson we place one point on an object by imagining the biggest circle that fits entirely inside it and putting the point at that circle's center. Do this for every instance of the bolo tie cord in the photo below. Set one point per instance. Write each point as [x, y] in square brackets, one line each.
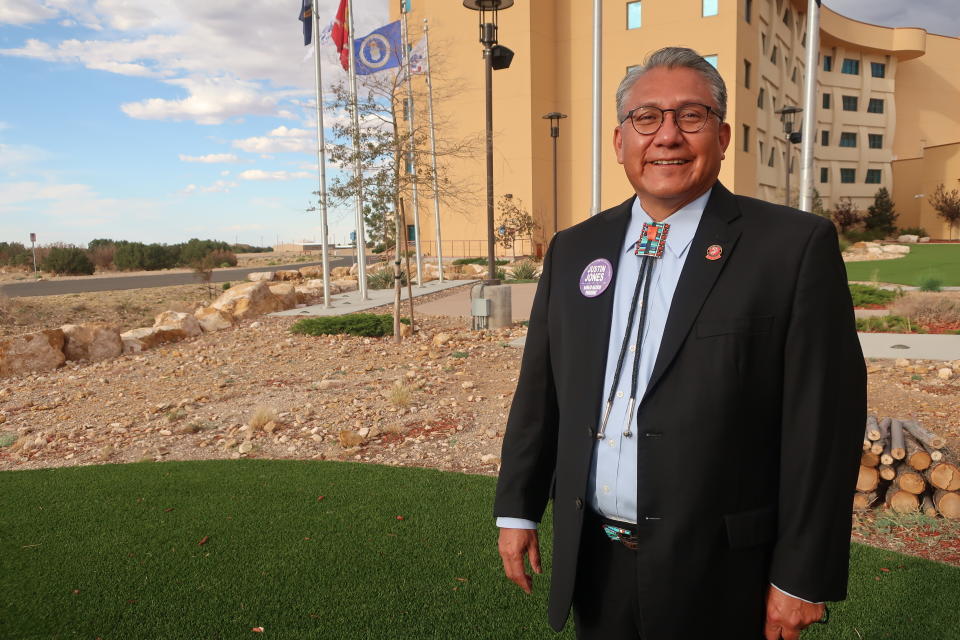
[644, 278]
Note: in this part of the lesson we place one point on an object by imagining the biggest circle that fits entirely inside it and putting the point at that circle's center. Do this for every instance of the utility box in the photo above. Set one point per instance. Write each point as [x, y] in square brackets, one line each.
[490, 306]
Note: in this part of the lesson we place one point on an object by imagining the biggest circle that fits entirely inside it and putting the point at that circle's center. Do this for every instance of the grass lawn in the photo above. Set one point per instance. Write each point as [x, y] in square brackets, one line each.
[924, 262]
[114, 552]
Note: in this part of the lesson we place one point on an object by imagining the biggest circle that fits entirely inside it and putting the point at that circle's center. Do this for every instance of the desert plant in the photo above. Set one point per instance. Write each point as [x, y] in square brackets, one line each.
[400, 395]
[913, 231]
[864, 295]
[260, 417]
[222, 258]
[68, 260]
[524, 270]
[480, 261]
[928, 308]
[931, 284]
[947, 204]
[225, 286]
[356, 324]
[102, 255]
[383, 278]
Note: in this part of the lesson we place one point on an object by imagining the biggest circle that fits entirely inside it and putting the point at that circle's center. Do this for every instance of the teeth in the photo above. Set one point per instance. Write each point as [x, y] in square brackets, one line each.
[669, 161]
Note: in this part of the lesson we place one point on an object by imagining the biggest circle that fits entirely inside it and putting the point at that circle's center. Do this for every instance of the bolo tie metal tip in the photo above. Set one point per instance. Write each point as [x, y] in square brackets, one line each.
[628, 433]
[603, 423]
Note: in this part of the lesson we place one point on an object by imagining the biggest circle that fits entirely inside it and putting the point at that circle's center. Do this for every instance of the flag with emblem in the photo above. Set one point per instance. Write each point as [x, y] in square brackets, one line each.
[418, 57]
[306, 17]
[379, 50]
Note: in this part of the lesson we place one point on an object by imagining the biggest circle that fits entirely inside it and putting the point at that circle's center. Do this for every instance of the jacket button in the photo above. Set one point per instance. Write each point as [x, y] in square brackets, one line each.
[589, 432]
[579, 503]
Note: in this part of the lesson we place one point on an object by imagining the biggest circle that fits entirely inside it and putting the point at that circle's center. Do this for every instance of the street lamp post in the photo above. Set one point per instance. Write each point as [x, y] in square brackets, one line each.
[554, 117]
[787, 115]
[495, 56]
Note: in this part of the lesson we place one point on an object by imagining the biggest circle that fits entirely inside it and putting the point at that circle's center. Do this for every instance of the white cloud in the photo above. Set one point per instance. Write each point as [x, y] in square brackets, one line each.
[264, 144]
[284, 132]
[211, 158]
[225, 172]
[72, 205]
[211, 101]
[14, 157]
[24, 12]
[259, 174]
[220, 186]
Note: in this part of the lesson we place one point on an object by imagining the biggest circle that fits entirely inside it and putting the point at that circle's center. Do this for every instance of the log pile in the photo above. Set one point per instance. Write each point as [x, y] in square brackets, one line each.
[908, 469]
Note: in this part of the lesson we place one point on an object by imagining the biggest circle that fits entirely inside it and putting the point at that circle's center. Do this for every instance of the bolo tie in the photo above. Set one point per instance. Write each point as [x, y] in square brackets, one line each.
[649, 248]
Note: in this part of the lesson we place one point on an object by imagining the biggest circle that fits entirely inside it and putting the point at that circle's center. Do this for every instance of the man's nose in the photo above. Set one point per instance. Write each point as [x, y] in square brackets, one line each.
[669, 133]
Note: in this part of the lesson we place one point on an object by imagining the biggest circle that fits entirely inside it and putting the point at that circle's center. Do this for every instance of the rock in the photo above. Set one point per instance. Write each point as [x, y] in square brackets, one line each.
[902, 363]
[350, 439]
[245, 447]
[364, 432]
[344, 285]
[166, 432]
[144, 338]
[489, 458]
[185, 322]
[286, 293]
[441, 339]
[256, 325]
[908, 238]
[261, 276]
[468, 384]
[287, 274]
[405, 330]
[924, 239]
[874, 250]
[315, 271]
[248, 300]
[211, 319]
[901, 249]
[39, 351]
[91, 341]
[332, 384]
[945, 373]
[340, 272]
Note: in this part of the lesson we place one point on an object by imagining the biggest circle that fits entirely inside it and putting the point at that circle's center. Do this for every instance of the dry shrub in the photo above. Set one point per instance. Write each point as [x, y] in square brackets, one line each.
[261, 417]
[923, 308]
[400, 395]
[102, 256]
[219, 258]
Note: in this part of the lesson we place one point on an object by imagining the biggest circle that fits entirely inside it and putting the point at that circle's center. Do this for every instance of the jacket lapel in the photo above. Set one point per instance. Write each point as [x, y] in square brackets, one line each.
[698, 276]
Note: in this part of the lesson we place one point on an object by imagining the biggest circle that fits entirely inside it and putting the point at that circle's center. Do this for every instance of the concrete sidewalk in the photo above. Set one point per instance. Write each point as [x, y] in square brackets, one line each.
[350, 302]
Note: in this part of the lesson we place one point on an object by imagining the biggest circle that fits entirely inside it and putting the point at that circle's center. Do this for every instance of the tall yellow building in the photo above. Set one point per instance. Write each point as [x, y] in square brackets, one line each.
[888, 103]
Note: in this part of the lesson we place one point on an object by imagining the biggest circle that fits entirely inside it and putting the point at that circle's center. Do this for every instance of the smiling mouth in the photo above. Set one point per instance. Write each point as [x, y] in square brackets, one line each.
[666, 163]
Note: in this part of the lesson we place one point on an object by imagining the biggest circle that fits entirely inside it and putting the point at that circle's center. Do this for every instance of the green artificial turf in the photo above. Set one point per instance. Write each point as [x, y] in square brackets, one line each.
[924, 262]
[113, 552]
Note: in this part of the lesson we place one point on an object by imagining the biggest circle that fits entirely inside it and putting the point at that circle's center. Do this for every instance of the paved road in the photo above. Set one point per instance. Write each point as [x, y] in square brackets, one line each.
[81, 285]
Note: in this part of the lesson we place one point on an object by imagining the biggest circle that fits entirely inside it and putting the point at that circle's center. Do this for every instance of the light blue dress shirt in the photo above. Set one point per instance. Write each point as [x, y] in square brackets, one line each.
[612, 486]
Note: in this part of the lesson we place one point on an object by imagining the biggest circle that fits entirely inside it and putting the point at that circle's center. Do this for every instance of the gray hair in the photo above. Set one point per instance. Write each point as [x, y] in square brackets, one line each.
[672, 58]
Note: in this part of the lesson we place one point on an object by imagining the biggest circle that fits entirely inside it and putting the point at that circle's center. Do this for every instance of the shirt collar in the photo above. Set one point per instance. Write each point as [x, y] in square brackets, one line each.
[683, 225]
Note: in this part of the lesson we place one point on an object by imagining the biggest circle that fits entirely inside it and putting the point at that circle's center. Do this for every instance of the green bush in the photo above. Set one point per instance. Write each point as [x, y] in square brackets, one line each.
[136, 256]
[867, 235]
[383, 278]
[226, 285]
[69, 260]
[14, 254]
[895, 324]
[931, 284]
[525, 270]
[501, 274]
[482, 261]
[913, 231]
[356, 324]
[864, 295]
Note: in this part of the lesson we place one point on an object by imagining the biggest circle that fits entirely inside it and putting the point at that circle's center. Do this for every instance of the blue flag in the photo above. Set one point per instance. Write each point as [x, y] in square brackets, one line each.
[378, 50]
[306, 17]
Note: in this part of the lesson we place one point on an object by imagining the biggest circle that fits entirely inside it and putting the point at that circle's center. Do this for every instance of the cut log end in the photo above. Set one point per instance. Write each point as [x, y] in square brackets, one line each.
[947, 503]
[902, 501]
[868, 479]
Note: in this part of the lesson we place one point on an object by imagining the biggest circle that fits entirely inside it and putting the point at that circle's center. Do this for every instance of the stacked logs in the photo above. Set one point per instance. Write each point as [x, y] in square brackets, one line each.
[907, 468]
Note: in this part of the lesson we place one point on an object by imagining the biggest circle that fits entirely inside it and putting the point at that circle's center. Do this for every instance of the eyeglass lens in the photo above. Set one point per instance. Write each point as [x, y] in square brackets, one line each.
[690, 118]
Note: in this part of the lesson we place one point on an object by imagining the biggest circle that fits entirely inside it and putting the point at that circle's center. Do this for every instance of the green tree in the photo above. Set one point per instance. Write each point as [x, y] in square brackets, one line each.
[68, 260]
[881, 215]
[816, 206]
[947, 204]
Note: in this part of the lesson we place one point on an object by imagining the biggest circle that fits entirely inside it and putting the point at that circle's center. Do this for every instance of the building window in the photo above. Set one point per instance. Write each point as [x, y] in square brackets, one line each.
[775, 54]
[634, 18]
[760, 144]
[824, 174]
[875, 140]
[850, 66]
[878, 70]
[875, 105]
[849, 103]
[773, 153]
[873, 176]
[746, 73]
[411, 233]
[824, 138]
[761, 98]
[848, 176]
[747, 10]
[793, 77]
[746, 139]
[763, 43]
[826, 101]
[828, 63]
[710, 8]
[787, 17]
[848, 139]
[712, 59]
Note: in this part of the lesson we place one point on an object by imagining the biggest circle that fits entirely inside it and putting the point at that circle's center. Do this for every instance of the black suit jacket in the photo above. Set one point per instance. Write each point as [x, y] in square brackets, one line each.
[748, 435]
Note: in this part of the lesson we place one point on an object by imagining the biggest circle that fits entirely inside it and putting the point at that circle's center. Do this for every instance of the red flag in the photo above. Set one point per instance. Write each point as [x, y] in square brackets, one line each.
[341, 36]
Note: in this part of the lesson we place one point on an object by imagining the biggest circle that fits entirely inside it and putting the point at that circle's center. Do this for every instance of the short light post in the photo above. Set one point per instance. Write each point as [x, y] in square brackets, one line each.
[33, 247]
[787, 115]
[554, 117]
[495, 57]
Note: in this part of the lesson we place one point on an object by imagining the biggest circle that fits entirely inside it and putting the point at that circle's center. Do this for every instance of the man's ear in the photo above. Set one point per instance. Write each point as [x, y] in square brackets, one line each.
[724, 134]
[618, 143]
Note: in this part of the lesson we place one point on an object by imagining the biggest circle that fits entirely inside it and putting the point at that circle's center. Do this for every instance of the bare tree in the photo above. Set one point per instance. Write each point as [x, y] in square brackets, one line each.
[846, 215]
[513, 222]
[947, 204]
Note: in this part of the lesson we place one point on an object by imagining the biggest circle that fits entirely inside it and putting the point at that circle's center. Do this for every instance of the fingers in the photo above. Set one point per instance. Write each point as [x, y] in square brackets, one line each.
[788, 616]
[514, 544]
[534, 556]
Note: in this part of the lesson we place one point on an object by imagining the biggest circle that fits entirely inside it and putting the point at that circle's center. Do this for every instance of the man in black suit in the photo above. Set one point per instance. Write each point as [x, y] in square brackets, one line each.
[692, 395]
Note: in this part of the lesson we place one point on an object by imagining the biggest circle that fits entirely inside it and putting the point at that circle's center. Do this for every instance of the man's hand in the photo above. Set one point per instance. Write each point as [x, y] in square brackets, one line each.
[514, 545]
[788, 616]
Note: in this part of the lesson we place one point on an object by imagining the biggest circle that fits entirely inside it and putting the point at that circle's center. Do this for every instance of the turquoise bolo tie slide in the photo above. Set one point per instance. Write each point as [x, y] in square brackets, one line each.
[652, 239]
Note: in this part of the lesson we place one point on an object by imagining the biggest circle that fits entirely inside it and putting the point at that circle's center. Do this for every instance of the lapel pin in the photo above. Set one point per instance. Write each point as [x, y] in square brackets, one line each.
[596, 277]
[714, 252]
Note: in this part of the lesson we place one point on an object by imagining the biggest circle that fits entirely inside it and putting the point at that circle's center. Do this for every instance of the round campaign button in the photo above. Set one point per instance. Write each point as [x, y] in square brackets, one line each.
[596, 277]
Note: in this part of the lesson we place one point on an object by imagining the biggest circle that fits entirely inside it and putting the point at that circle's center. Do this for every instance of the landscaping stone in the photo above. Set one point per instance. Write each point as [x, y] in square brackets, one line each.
[92, 341]
[39, 351]
[261, 276]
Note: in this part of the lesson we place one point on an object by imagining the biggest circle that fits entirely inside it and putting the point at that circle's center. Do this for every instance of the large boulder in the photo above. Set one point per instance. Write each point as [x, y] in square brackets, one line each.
[286, 293]
[261, 276]
[39, 351]
[900, 249]
[91, 341]
[287, 274]
[185, 322]
[248, 300]
[341, 272]
[137, 340]
[908, 237]
[211, 319]
[343, 285]
[315, 271]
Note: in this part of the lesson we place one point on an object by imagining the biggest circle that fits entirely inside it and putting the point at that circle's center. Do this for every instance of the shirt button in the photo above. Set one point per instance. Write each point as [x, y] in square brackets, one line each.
[612, 442]
[619, 394]
[633, 347]
[606, 489]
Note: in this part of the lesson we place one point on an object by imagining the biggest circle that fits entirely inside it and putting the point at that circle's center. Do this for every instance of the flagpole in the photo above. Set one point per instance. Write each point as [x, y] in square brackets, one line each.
[321, 155]
[413, 162]
[357, 169]
[433, 151]
[809, 106]
[597, 87]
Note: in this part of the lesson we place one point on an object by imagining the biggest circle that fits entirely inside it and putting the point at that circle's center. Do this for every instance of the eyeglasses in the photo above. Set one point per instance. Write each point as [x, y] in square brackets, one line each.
[689, 118]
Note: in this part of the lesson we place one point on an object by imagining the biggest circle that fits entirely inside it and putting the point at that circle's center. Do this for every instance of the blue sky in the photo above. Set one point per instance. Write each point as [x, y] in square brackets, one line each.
[165, 120]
